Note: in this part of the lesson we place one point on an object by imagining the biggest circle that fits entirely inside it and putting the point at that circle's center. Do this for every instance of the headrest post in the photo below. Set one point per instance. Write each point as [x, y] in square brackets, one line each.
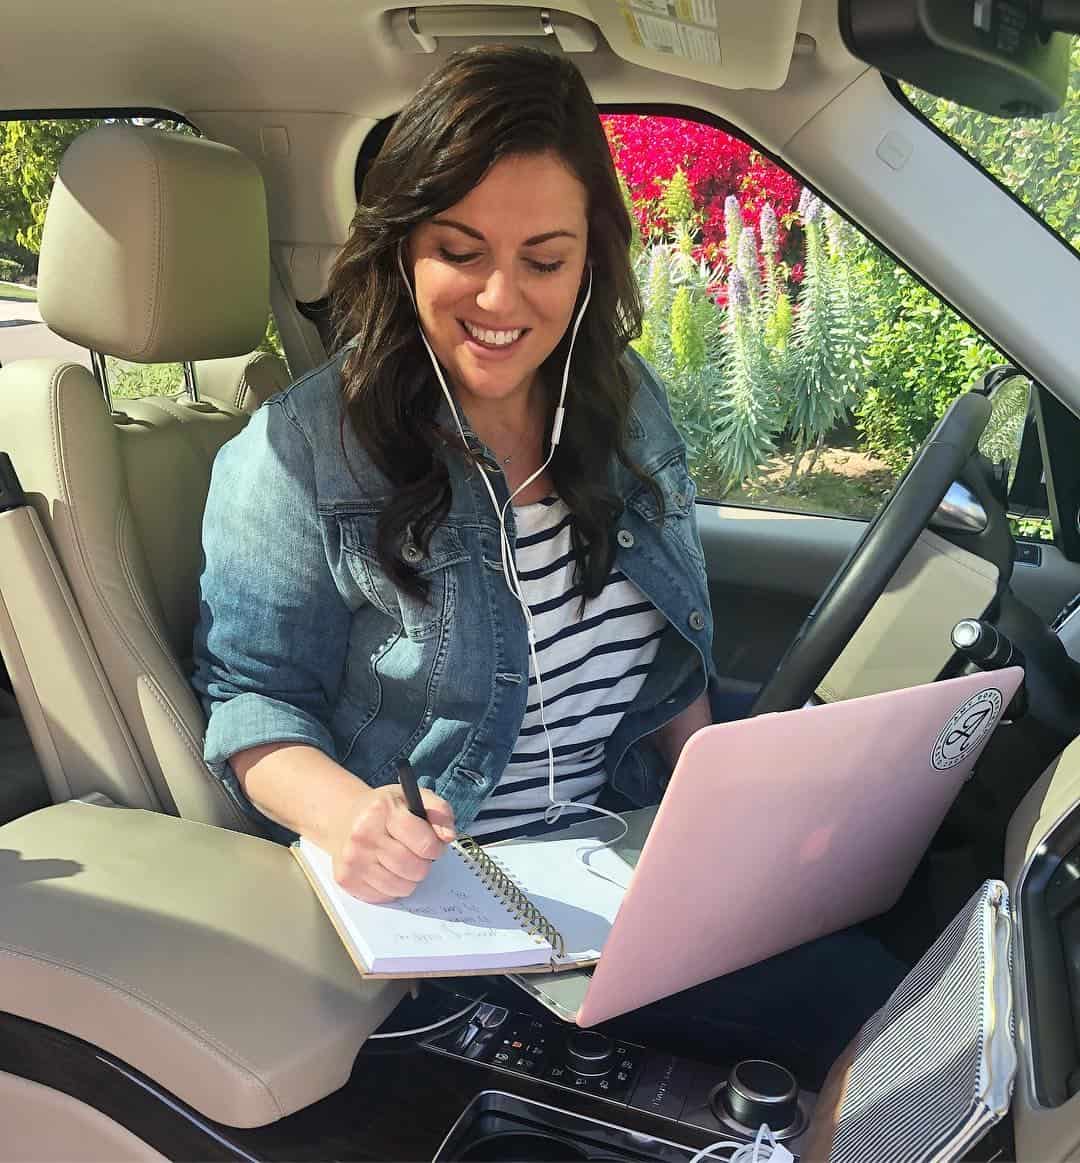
[101, 374]
[190, 383]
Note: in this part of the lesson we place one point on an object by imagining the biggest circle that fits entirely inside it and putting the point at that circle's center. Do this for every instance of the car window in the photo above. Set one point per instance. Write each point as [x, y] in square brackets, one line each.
[30, 153]
[804, 364]
[1038, 160]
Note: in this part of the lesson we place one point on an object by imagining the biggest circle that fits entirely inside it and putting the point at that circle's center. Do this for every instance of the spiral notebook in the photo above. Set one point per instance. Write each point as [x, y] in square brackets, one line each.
[525, 907]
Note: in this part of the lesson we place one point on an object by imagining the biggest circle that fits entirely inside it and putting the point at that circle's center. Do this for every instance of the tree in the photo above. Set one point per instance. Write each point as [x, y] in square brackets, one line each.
[1038, 160]
[30, 153]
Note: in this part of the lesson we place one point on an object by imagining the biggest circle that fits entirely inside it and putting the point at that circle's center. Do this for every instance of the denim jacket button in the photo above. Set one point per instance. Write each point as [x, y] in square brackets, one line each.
[697, 620]
[625, 538]
[412, 554]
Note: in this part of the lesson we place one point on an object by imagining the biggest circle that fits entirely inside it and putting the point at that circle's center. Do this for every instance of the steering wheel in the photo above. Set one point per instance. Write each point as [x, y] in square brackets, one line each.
[862, 578]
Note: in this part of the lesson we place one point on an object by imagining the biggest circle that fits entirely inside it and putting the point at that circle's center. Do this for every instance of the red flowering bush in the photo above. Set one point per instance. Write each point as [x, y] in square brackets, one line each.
[647, 152]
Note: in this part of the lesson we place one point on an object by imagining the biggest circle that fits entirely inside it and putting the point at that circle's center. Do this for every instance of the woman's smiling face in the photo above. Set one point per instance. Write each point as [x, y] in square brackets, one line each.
[497, 275]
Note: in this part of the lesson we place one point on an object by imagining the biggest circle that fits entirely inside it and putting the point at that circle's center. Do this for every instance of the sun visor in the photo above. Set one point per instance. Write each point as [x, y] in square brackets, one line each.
[736, 46]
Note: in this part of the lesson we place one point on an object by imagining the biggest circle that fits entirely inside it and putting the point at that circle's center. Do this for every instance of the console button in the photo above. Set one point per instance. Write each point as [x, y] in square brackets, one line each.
[589, 1053]
[662, 1087]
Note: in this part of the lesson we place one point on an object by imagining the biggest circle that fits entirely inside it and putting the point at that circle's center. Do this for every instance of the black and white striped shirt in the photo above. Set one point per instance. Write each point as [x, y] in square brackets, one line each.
[592, 665]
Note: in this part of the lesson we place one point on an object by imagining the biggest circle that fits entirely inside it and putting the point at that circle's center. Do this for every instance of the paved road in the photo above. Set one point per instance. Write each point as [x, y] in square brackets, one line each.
[22, 335]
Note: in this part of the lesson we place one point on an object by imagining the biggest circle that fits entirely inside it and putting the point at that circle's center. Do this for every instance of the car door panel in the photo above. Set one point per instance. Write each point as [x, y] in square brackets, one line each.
[1048, 586]
[766, 569]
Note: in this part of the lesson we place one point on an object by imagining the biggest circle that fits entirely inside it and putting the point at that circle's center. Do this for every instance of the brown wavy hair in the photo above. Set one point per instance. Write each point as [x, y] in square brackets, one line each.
[484, 104]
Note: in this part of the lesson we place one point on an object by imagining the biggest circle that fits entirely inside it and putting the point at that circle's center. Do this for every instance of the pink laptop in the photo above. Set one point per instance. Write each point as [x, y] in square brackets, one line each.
[782, 828]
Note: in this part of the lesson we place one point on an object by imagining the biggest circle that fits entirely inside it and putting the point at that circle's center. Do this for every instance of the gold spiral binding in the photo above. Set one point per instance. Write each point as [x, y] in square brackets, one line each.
[501, 885]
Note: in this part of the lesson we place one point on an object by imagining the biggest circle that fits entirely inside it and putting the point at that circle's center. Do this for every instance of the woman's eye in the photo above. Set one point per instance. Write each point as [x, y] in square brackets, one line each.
[546, 268]
[453, 256]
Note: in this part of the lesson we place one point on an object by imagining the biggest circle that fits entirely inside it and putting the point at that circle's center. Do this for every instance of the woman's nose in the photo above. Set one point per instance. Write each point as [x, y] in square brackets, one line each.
[499, 293]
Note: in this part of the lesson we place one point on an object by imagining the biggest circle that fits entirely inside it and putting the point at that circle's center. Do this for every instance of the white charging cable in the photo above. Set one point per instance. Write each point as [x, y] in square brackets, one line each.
[555, 807]
[434, 1025]
[764, 1149]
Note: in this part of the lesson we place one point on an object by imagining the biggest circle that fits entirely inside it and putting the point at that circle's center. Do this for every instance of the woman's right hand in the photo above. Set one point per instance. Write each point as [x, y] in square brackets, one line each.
[382, 851]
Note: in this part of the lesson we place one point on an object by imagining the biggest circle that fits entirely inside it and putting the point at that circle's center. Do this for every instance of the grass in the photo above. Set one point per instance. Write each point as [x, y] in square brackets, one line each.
[132, 381]
[845, 482]
[18, 291]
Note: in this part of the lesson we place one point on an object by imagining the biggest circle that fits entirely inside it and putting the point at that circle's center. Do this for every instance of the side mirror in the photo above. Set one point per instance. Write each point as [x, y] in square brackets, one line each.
[1003, 437]
[1000, 58]
[1002, 444]
[960, 511]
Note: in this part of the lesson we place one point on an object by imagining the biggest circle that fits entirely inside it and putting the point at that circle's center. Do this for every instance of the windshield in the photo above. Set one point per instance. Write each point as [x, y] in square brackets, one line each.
[1037, 160]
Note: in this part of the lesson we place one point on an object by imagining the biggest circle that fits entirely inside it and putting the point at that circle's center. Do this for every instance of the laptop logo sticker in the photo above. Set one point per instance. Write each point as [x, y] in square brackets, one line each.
[964, 733]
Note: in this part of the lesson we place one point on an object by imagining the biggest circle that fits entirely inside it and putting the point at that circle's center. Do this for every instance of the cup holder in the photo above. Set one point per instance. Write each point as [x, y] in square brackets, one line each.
[521, 1147]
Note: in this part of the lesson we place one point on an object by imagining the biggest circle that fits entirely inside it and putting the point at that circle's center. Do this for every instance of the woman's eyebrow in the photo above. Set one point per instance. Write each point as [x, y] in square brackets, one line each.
[536, 239]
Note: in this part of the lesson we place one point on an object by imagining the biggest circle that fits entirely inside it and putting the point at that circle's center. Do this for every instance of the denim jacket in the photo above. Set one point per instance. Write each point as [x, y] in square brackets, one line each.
[303, 638]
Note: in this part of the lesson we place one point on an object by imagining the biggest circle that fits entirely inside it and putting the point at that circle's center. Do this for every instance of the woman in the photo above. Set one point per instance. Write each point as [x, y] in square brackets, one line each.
[374, 620]
[469, 539]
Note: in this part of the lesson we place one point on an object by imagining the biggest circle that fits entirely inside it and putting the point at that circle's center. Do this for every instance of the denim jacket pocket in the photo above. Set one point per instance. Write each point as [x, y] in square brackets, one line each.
[420, 618]
[679, 493]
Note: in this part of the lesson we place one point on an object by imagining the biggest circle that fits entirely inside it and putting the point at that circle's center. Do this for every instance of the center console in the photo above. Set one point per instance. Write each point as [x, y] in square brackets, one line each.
[726, 1101]
[467, 1092]
[498, 1126]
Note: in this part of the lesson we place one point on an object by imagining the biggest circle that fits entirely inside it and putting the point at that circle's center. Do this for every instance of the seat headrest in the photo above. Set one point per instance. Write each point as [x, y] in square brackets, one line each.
[156, 247]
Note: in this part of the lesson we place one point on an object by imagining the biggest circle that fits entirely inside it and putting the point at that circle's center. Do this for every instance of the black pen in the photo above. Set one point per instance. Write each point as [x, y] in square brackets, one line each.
[407, 779]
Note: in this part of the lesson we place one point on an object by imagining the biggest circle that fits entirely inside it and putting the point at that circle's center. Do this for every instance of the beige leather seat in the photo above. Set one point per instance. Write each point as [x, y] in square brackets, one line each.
[242, 382]
[155, 249]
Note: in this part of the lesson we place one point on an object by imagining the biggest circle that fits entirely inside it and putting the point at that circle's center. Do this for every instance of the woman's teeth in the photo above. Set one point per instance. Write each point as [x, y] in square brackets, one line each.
[493, 338]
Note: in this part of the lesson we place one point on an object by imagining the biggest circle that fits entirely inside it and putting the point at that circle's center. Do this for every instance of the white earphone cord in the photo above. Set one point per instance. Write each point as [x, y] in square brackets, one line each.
[764, 1149]
[555, 807]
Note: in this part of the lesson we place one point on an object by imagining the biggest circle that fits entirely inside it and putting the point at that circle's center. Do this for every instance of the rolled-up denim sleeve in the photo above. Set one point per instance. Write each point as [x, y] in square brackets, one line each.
[273, 627]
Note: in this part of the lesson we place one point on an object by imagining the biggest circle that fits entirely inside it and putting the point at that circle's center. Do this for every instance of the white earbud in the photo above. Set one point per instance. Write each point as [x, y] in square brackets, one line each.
[555, 807]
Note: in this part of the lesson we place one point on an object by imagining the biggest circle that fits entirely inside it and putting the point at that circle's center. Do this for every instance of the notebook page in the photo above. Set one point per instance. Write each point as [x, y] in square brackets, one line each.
[579, 899]
[450, 922]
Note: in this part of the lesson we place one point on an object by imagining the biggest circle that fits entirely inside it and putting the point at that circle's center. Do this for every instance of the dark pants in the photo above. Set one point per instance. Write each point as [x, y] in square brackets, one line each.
[800, 1008]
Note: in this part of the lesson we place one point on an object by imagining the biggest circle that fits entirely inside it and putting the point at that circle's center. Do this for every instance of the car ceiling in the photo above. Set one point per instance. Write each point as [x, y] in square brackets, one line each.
[336, 56]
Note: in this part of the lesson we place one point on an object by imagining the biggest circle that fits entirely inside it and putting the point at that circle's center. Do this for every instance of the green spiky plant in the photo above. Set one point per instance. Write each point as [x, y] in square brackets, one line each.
[680, 332]
[749, 410]
[677, 199]
[822, 342]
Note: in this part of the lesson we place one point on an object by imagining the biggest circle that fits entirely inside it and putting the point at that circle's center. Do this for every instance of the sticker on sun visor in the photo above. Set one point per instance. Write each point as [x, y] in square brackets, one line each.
[678, 28]
[965, 732]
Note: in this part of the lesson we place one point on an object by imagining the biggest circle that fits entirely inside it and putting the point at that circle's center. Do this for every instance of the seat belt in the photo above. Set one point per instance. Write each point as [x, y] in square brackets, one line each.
[11, 490]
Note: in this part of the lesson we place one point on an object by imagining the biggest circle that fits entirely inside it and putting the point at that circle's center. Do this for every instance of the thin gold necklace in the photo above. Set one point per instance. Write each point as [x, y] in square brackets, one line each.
[505, 460]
